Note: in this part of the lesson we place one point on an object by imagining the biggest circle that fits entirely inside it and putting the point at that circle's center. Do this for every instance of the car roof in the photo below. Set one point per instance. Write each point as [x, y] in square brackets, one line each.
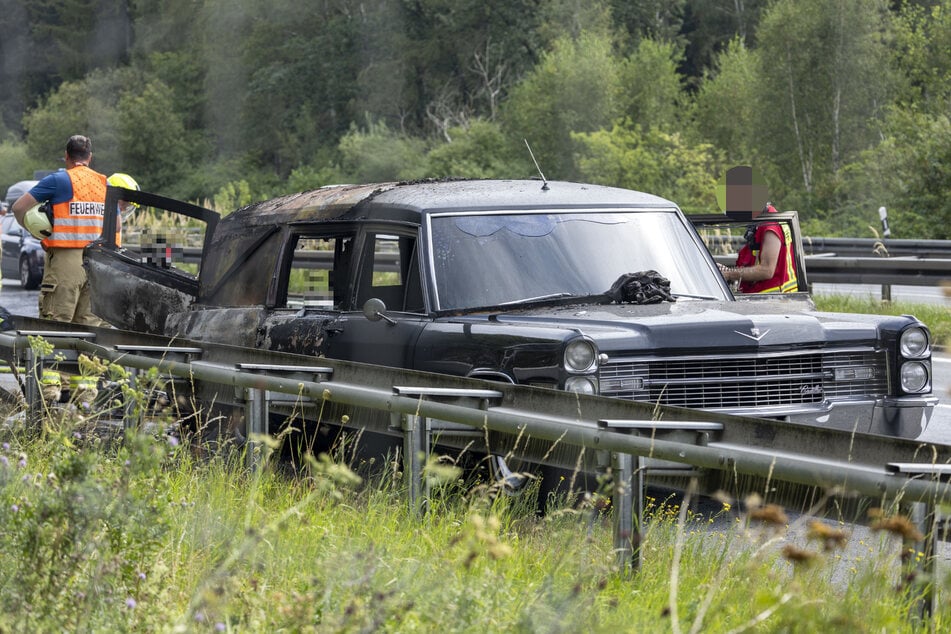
[17, 189]
[409, 201]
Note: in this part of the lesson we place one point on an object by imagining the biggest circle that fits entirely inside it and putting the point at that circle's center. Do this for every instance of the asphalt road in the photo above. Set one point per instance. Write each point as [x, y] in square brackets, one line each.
[17, 300]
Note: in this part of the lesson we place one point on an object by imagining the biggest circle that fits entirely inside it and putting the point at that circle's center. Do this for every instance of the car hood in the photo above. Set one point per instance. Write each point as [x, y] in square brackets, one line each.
[693, 325]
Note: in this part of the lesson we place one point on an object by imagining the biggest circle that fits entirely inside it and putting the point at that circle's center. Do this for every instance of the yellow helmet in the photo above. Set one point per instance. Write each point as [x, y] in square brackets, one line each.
[37, 221]
[123, 180]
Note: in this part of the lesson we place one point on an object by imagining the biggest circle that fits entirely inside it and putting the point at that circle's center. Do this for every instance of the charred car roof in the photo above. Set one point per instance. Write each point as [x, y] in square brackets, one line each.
[413, 199]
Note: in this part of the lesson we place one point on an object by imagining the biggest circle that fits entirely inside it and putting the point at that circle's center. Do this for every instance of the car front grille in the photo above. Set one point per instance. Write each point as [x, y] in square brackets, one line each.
[747, 382]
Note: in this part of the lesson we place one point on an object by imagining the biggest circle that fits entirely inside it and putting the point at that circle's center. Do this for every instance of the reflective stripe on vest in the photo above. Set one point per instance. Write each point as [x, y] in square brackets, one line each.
[78, 221]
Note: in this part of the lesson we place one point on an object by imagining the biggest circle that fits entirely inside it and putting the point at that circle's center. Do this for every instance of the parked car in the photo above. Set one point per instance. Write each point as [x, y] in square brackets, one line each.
[16, 190]
[569, 286]
[23, 255]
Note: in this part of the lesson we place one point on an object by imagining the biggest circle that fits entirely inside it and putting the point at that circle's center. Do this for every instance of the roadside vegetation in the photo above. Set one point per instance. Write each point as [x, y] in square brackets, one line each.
[146, 534]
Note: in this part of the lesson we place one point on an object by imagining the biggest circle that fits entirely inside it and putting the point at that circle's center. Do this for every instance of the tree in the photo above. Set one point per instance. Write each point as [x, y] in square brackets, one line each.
[823, 64]
[15, 163]
[131, 120]
[660, 20]
[573, 89]
[727, 103]
[711, 26]
[74, 37]
[909, 173]
[151, 138]
[650, 86]
[480, 150]
[654, 161]
[921, 54]
[376, 153]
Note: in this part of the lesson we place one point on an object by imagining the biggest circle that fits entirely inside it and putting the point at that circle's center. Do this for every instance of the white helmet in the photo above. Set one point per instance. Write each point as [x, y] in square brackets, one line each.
[37, 221]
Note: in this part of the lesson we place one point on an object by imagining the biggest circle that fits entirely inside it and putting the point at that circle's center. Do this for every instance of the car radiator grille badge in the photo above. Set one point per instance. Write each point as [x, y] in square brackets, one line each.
[755, 334]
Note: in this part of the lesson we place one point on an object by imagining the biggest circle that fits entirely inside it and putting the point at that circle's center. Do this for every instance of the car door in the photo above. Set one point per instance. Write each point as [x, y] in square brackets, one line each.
[323, 286]
[10, 232]
[388, 312]
[723, 237]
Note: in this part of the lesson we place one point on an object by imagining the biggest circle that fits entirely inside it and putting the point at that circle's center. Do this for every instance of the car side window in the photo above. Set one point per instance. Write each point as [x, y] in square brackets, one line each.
[319, 271]
[392, 274]
[11, 226]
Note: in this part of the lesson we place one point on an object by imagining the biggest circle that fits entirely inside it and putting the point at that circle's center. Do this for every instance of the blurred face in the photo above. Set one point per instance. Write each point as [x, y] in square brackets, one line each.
[125, 207]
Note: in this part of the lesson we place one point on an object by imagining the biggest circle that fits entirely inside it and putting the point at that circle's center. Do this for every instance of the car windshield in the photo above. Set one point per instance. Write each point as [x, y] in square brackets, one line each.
[492, 259]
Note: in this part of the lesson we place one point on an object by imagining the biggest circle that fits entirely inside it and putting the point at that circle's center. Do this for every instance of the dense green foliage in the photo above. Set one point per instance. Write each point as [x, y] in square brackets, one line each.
[842, 104]
[141, 536]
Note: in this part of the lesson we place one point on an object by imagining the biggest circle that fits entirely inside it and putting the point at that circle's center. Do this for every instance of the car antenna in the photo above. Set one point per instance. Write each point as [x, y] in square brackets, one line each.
[532, 154]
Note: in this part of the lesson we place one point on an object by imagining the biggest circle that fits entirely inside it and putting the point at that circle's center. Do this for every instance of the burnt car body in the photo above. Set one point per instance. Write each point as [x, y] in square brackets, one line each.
[507, 281]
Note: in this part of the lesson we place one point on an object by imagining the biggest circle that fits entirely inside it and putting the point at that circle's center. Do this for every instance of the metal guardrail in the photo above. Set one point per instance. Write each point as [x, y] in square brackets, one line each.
[873, 247]
[867, 261]
[856, 265]
[420, 405]
[898, 271]
[854, 247]
[903, 271]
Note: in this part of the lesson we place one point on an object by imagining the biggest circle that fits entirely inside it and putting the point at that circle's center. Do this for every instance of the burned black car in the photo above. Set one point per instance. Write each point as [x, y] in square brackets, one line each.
[518, 281]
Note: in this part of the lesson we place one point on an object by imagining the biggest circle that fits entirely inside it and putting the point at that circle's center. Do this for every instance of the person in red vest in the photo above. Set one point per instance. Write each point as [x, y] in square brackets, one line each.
[765, 263]
[76, 198]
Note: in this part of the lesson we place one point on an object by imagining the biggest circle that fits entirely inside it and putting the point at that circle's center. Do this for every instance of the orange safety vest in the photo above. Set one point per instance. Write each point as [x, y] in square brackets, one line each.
[78, 221]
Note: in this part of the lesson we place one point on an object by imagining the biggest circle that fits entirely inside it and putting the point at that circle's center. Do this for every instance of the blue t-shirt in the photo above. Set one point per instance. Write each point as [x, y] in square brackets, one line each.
[55, 187]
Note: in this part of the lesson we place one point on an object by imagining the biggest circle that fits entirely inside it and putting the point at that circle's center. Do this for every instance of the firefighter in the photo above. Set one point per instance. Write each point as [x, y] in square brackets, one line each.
[76, 198]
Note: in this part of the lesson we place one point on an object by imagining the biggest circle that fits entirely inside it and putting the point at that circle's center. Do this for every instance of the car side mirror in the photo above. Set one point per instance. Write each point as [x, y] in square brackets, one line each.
[374, 309]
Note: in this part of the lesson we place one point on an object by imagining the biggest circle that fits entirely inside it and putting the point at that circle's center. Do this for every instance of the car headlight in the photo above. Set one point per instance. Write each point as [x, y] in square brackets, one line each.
[582, 385]
[914, 376]
[913, 343]
[581, 356]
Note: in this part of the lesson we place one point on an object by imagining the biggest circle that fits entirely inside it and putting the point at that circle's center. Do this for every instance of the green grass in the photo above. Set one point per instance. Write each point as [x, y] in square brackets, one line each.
[143, 536]
[935, 316]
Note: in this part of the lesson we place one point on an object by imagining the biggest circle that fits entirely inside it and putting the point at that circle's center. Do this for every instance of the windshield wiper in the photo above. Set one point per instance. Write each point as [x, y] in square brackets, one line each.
[678, 295]
[540, 298]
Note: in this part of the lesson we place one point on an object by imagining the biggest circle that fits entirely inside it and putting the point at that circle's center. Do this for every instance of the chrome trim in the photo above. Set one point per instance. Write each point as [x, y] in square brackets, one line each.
[796, 379]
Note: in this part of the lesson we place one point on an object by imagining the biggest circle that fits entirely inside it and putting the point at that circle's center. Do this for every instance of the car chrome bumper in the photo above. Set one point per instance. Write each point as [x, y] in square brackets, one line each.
[905, 417]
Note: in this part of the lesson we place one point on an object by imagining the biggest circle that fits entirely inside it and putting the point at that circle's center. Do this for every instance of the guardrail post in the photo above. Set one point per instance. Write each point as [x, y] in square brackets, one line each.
[628, 501]
[31, 387]
[36, 365]
[132, 414]
[257, 408]
[417, 435]
[630, 485]
[920, 558]
[415, 456]
[256, 413]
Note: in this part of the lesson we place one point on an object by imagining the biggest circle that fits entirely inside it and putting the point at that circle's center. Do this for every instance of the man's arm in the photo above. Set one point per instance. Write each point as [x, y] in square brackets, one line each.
[22, 205]
[765, 266]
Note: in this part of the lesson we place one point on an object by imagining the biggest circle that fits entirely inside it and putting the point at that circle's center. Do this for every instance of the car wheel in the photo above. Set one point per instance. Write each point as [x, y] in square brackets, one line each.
[29, 279]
